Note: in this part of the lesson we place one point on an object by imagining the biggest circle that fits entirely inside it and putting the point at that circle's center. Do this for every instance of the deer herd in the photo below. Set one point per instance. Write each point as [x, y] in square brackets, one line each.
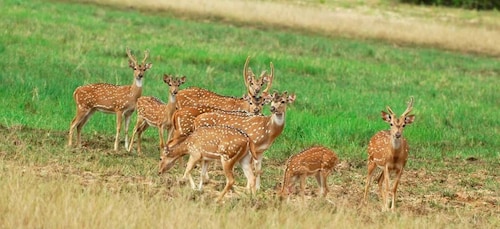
[209, 127]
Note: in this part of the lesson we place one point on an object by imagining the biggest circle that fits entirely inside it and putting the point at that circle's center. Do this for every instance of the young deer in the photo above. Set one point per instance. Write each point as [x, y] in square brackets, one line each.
[388, 150]
[109, 98]
[227, 144]
[318, 161]
[153, 112]
[183, 118]
[263, 130]
[194, 96]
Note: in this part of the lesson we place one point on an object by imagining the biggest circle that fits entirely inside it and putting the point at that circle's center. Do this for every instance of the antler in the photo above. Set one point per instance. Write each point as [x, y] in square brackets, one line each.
[271, 77]
[131, 57]
[246, 71]
[409, 108]
[146, 55]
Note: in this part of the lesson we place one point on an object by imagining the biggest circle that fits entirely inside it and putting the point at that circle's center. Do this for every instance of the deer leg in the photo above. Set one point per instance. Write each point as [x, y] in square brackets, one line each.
[380, 181]
[303, 186]
[118, 128]
[246, 166]
[258, 170]
[324, 185]
[193, 159]
[83, 120]
[371, 167]
[227, 166]
[386, 188]
[203, 173]
[137, 126]
[395, 187]
[319, 179]
[127, 116]
[161, 131]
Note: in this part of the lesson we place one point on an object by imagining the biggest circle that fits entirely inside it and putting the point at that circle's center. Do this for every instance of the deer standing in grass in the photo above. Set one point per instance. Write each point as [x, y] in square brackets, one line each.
[388, 150]
[194, 96]
[183, 118]
[263, 130]
[318, 161]
[109, 98]
[224, 143]
[151, 111]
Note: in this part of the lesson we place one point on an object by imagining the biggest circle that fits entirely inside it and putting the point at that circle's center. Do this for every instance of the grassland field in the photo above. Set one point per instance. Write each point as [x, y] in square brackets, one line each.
[48, 48]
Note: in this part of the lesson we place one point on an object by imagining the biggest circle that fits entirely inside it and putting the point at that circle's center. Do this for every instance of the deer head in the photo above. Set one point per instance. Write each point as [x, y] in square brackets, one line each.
[253, 84]
[398, 124]
[277, 102]
[173, 83]
[139, 69]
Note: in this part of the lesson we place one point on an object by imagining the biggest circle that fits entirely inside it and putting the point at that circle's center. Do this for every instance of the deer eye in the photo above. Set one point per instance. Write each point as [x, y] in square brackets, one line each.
[392, 124]
[404, 125]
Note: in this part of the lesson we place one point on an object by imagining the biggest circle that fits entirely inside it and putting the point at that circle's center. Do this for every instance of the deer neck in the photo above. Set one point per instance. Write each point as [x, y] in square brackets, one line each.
[172, 99]
[277, 123]
[136, 88]
[179, 150]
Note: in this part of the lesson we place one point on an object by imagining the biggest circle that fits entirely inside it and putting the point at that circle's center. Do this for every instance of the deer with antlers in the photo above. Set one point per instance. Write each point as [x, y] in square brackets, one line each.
[151, 111]
[388, 150]
[109, 98]
[318, 161]
[262, 130]
[195, 96]
[224, 143]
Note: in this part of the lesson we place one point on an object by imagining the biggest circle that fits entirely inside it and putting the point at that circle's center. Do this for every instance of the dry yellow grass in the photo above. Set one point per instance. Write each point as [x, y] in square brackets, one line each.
[451, 29]
[55, 196]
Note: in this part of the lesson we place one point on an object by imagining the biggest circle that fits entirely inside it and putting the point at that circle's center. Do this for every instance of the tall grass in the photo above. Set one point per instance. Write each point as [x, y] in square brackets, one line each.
[43, 199]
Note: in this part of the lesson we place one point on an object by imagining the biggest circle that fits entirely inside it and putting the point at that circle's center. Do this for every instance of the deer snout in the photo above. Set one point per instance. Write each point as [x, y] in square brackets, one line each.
[273, 109]
[398, 135]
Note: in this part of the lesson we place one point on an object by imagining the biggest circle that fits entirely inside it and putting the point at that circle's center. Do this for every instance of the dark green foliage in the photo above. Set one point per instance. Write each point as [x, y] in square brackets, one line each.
[466, 4]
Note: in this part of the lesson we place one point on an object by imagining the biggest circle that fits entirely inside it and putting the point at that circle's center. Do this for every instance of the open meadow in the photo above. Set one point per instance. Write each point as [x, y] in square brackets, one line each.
[341, 80]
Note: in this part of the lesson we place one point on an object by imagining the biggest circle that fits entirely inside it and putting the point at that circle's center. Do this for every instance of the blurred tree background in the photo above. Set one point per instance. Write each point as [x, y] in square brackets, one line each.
[466, 4]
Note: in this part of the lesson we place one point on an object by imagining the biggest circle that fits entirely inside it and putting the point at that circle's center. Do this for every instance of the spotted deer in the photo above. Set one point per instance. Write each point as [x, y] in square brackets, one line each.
[388, 150]
[183, 118]
[224, 143]
[195, 96]
[151, 111]
[253, 84]
[263, 130]
[109, 98]
[318, 161]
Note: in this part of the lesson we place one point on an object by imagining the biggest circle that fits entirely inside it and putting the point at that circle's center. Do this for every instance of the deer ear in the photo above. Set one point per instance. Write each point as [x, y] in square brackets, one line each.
[386, 117]
[291, 98]
[409, 119]
[131, 64]
[183, 79]
[148, 66]
[166, 78]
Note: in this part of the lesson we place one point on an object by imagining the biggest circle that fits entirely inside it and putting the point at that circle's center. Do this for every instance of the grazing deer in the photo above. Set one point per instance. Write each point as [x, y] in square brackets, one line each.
[109, 98]
[388, 150]
[183, 118]
[263, 130]
[195, 96]
[224, 143]
[318, 161]
[151, 111]
[253, 84]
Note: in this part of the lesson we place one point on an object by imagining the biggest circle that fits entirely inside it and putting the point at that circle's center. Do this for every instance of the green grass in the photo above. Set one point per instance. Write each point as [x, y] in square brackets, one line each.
[48, 48]
[341, 85]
